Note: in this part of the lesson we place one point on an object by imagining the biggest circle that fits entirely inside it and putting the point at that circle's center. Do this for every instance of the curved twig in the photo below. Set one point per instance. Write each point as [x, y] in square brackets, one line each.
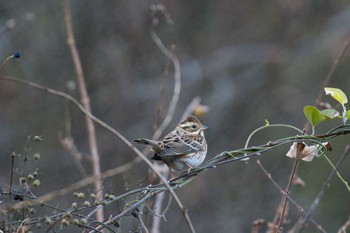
[325, 186]
[177, 76]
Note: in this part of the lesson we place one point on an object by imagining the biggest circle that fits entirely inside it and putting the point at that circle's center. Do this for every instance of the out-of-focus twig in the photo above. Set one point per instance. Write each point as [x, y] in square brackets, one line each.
[323, 190]
[345, 227]
[332, 70]
[191, 107]
[286, 194]
[95, 158]
[86, 181]
[10, 24]
[301, 209]
[177, 72]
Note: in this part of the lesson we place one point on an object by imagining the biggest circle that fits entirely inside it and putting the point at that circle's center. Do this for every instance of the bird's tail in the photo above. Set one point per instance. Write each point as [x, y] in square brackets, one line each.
[145, 141]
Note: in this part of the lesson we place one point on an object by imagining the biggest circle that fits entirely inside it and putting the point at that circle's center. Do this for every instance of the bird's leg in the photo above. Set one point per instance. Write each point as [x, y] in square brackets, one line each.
[172, 175]
[189, 169]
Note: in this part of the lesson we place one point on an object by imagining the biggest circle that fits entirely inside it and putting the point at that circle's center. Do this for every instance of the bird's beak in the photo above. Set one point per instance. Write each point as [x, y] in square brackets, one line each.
[204, 127]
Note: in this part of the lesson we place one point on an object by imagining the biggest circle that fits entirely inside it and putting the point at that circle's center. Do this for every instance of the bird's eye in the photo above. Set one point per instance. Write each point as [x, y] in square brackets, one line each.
[194, 126]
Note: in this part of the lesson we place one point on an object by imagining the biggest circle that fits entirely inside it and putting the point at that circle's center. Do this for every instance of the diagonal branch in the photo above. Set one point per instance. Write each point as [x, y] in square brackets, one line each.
[332, 70]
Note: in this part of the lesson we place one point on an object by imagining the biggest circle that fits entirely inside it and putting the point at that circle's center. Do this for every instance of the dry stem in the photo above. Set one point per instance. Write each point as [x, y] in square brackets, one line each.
[86, 103]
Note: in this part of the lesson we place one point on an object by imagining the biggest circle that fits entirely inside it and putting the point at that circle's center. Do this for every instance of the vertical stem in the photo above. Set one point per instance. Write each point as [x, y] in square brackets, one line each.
[11, 183]
[280, 222]
[86, 103]
[300, 148]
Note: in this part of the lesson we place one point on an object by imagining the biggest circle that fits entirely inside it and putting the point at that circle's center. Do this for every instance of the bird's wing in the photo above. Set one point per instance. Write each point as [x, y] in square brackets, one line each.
[173, 146]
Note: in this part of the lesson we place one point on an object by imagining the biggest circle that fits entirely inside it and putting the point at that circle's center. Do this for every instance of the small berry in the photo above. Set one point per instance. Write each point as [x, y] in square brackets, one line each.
[30, 177]
[17, 54]
[75, 221]
[92, 196]
[35, 174]
[74, 205]
[36, 156]
[36, 183]
[87, 203]
[81, 195]
[64, 222]
[83, 221]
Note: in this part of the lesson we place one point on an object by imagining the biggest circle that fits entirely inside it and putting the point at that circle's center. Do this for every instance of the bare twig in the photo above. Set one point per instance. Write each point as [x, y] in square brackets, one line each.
[301, 209]
[323, 190]
[177, 75]
[86, 181]
[345, 227]
[13, 155]
[86, 103]
[332, 70]
[66, 137]
[286, 193]
[10, 24]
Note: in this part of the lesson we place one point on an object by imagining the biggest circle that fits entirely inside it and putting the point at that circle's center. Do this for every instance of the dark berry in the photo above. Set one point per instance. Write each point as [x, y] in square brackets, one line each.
[17, 54]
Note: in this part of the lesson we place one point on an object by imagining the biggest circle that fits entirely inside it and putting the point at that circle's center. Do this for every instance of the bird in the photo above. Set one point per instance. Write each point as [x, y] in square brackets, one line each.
[185, 146]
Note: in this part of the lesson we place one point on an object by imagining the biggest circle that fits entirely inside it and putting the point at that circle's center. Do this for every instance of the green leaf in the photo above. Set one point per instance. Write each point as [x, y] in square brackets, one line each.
[348, 114]
[314, 115]
[337, 94]
[330, 113]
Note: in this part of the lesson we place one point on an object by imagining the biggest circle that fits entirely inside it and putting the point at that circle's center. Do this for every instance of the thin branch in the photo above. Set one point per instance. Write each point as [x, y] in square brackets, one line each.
[286, 194]
[301, 209]
[10, 24]
[345, 227]
[86, 181]
[332, 70]
[177, 74]
[86, 103]
[323, 190]
[13, 156]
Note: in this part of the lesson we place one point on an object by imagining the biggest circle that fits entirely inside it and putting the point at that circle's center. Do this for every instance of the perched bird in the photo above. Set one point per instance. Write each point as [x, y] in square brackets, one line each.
[184, 146]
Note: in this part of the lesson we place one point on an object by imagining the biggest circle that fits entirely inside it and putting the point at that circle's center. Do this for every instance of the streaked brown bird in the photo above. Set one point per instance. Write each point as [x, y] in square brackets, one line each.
[184, 146]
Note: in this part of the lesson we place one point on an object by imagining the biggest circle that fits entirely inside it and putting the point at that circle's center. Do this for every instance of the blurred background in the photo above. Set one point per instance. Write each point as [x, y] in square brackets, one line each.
[247, 60]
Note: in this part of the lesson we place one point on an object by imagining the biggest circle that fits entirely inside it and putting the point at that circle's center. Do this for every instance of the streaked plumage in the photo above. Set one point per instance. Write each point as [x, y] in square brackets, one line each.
[185, 146]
